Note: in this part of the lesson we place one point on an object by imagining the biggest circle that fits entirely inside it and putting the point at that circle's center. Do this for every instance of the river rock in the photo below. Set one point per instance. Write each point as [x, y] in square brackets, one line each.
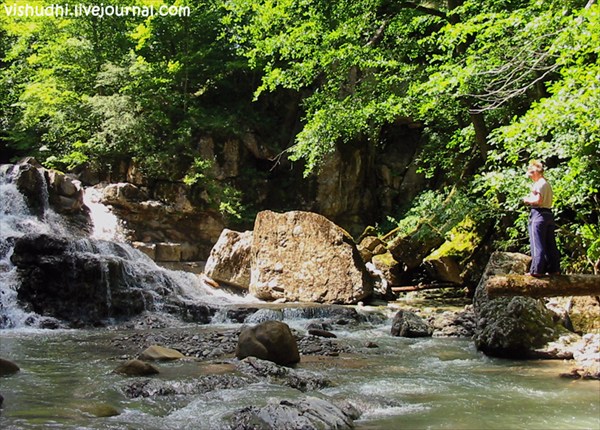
[229, 259]
[302, 256]
[65, 192]
[7, 367]
[309, 413]
[299, 379]
[136, 368]
[85, 286]
[201, 385]
[587, 356]
[160, 353]
[270, 340]
[511, 327]
[409, 324]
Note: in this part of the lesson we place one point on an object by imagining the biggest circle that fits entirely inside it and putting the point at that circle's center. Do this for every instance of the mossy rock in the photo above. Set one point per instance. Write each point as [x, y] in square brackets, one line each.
[461, 242]
[585, 314]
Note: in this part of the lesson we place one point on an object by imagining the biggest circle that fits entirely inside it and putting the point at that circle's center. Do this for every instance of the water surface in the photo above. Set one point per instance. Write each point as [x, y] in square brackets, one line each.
[66, 382]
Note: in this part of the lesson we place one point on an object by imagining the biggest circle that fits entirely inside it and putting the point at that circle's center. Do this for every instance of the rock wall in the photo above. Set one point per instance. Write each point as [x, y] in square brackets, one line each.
[357, 185]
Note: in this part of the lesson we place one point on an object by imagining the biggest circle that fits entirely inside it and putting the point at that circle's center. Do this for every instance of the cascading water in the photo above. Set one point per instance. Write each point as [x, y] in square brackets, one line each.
[120, 280]
[17, 220]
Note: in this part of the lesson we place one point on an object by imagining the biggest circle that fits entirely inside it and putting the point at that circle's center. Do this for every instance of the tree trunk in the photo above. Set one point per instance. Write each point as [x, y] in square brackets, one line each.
[481, 134]
[410, 288]
[548, 286]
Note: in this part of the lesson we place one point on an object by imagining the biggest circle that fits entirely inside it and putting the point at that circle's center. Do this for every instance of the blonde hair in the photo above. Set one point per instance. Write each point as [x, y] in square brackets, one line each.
[536, 166]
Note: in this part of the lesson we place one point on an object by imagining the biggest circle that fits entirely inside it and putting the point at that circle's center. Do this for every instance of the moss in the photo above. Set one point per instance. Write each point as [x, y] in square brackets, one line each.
[386, 260]
[460, 242]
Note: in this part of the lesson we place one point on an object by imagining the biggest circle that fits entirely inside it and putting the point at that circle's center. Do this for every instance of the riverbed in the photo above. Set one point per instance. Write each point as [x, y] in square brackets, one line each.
[67, 382]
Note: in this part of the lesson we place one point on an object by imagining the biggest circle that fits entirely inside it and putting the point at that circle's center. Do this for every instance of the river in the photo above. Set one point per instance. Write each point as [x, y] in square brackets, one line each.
[66, 380]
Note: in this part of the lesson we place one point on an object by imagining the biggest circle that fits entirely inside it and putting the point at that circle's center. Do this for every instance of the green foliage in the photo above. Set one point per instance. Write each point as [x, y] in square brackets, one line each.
[492, 83]
[438, 214]
[221, 196]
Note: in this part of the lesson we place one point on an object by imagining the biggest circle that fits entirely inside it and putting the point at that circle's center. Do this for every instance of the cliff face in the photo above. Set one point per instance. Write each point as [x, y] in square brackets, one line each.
[356, 186]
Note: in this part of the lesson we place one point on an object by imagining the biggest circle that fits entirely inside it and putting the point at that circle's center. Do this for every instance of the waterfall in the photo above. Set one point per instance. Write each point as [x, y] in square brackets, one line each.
[120, 280]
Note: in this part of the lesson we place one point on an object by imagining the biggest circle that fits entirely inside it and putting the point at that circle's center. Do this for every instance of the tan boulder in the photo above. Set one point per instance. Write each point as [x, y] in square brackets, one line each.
[160, 353]
[136, 368]
[302, 256]
[230, 258]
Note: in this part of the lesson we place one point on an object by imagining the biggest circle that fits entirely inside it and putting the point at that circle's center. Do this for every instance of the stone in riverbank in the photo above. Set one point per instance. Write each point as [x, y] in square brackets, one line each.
[271, 340]
[302, 256]
[511, 327]
[160, 353]
[409, 324]
[136, 368]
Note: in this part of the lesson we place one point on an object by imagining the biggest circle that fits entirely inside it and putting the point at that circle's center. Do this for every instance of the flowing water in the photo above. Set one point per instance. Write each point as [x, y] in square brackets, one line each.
[67, 381]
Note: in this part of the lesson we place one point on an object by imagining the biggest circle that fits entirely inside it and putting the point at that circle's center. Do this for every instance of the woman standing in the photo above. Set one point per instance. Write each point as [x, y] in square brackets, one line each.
[541, 226]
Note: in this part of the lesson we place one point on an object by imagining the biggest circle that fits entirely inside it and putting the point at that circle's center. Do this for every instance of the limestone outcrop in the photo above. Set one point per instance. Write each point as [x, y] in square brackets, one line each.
[302, 256]
[229, 259]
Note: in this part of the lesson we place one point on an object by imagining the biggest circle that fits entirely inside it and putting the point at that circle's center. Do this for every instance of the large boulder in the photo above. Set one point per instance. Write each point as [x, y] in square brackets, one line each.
[85, 282]
[511, 327]
[302, 256]
[270, 340]
[229, 259]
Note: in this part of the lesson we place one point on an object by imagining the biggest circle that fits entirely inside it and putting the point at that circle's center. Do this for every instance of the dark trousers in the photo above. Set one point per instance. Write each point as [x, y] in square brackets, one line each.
[544, 253]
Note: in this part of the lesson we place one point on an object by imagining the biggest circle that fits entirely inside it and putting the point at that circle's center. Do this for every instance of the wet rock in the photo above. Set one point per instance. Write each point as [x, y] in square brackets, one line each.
[192, 312]
[302, 256]
[409, 324]
[239, 315]
[312, 345]
[271, 340]
[511, 327]
[101, 410]
[307, 414]
[160, 353]
[263, 315]
[8, 367]
[74, 286]
[85, 282]
[136, 368]
[201, 385]
[229, 259]
[30, 181]
[454, 323]
[299, 379]
[321, 333]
